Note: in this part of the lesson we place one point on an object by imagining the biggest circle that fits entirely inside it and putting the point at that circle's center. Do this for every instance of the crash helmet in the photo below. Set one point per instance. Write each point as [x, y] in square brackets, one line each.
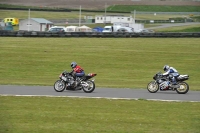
[166, 68]
[73, 64]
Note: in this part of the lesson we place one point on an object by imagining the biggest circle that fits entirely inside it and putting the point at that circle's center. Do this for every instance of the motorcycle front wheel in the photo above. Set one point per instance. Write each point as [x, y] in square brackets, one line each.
[59, 86]
[88, 86]
[152, 87]
[183, 88]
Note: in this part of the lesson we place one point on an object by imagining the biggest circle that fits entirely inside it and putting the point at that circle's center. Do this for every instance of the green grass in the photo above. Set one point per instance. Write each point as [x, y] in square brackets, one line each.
[75, 115]
[75, 15]
[27, 7]
[118, 62]
[122, 8]
[42, 14]
[188, 28]
[154, 8]
[196, 18]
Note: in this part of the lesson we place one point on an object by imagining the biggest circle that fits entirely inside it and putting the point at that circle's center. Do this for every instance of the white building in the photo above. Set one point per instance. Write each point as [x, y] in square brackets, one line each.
[132, 25]
[111, 19]
[35, 24]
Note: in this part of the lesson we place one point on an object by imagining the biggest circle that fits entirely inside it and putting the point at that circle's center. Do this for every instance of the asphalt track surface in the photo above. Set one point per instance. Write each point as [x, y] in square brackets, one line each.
[111, 93]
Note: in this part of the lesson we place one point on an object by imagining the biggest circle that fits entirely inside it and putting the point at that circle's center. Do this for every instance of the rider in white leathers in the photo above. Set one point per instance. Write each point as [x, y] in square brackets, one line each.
[172, 72]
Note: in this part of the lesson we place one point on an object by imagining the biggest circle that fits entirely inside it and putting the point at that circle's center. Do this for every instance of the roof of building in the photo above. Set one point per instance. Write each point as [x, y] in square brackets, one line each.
[41, 20]
[71, 26]
[84, 27]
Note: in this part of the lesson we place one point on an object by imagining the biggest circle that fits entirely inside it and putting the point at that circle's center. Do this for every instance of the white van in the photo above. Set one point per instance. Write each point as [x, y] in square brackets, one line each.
[108, 29]
[115, 28]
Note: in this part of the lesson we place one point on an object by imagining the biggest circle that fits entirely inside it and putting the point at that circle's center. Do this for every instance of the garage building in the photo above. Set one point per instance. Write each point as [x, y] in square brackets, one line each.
[35, 24]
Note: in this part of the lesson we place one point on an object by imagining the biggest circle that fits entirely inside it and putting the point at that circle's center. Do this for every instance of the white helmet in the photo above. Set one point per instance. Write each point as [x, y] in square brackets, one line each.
[166, 68]
[73, 64]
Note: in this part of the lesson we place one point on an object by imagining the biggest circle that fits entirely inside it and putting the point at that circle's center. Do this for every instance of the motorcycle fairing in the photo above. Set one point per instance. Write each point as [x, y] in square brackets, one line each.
[183, 77]
[90, 75]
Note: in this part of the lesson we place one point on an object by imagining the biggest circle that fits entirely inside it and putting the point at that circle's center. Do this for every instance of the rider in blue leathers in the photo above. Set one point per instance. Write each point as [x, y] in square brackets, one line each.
[172, 72]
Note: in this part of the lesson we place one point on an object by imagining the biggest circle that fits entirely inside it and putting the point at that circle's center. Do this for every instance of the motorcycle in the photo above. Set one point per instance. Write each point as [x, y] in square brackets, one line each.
[68, 82]
[164, 84]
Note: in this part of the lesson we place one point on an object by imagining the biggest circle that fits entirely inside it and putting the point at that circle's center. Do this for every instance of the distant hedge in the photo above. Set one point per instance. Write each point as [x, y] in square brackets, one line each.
[111, 9]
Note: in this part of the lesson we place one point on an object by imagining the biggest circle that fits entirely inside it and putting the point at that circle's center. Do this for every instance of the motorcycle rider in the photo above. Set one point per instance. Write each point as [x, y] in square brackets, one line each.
[79, 72]
[172, 72]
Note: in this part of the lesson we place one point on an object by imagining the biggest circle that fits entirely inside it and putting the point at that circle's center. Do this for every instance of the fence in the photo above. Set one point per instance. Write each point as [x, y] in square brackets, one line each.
[4, 33]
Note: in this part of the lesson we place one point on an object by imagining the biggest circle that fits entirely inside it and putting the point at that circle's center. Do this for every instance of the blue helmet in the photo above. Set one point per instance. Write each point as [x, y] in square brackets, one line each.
[73, 64]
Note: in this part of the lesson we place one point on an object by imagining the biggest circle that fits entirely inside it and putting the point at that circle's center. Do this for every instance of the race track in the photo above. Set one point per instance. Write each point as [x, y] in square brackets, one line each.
[113, 93]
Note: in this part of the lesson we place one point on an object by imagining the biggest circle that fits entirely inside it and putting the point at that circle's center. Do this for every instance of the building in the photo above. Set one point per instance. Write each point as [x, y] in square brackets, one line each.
[35, 24]
[113, 18]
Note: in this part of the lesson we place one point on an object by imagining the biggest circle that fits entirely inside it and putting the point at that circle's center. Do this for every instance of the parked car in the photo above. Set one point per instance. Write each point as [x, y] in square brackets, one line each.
[125, 29]
[108, 29]
[144, 31]
[57, 29]
[97, 29]
[147, 31]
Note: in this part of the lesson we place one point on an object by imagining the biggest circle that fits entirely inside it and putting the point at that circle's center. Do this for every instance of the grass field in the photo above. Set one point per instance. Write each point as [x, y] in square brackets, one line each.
[77, 115]
[120, 63]
[188, 28]
[75, 15]
[154, 8]
[122, 8]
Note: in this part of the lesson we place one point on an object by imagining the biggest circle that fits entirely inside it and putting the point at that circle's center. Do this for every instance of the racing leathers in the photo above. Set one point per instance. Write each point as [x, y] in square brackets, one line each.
[79, 71]
[173, 73]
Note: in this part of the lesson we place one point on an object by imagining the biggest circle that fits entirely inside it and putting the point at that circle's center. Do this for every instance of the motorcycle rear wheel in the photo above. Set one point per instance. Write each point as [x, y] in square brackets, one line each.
[89, 86]
[153, 87]
[59, 86]
[183, 89]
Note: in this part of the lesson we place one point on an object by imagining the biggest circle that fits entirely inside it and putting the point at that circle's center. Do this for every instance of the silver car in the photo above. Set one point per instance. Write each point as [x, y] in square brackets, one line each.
[125, 29]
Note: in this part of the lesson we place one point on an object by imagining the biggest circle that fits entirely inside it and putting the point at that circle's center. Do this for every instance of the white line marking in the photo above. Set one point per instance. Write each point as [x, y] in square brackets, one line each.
[114, 98]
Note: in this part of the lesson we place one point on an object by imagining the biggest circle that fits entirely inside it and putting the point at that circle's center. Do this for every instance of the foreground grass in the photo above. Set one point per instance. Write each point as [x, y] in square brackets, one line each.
[118, 62]
[74, 115]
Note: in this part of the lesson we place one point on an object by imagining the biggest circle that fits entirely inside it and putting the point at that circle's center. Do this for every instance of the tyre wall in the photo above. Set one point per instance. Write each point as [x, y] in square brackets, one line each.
[4, 33]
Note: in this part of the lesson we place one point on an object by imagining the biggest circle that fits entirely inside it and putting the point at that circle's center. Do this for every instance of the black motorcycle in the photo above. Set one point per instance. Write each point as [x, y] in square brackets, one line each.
[68, 81]
[164, 83]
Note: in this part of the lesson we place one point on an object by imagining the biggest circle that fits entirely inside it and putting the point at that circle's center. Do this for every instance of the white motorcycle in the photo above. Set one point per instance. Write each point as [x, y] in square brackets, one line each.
[164, 84]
